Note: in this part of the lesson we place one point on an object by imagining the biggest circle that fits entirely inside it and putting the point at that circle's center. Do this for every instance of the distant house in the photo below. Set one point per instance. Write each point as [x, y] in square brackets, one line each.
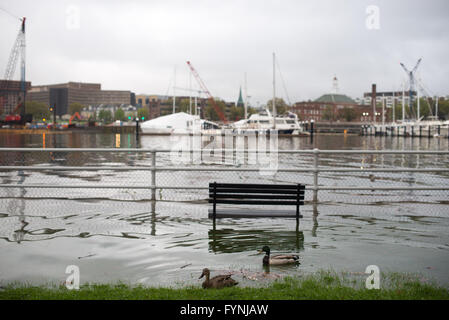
[329, 107]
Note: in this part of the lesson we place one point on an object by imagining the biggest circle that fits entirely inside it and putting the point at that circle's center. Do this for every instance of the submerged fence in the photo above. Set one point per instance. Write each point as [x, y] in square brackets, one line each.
[331, 176]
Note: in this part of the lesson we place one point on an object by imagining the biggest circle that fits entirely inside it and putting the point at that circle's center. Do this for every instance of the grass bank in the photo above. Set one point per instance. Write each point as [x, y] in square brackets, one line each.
[321, 286]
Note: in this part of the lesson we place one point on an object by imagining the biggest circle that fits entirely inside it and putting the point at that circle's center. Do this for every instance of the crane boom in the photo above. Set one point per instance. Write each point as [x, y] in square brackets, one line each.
[209, 96]
[17, 50]
[416, 66]
[411, 76]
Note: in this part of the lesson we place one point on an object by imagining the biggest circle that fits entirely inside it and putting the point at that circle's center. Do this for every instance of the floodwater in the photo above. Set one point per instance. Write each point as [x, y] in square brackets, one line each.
[120, 235]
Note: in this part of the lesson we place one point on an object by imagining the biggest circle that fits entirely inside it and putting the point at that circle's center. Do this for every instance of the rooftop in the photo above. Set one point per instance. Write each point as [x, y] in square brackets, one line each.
[335, 98]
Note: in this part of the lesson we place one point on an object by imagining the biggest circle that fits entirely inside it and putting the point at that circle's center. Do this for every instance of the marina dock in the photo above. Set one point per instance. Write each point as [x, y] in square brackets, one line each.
[411, 129]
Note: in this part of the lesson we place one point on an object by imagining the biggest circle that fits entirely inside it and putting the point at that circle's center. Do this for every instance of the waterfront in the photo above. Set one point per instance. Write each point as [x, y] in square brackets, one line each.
[121, 235]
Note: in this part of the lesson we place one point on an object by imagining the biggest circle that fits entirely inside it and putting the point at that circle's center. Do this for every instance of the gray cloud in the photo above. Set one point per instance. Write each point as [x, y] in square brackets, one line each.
[136, 45]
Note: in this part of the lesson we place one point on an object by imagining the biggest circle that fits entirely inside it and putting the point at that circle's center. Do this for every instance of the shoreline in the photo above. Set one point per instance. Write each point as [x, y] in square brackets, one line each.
[323, 285]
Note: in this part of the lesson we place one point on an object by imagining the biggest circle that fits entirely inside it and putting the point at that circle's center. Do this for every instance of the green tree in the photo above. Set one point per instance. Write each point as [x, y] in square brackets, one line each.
[443, 109]
[398, 112]
[39, 110]
[143, 112]
[348, 114]
[210, 113]
[424, 109]
[184, 105]
[119, 114]
[76, 107]
[236, 113]
[328, 114]
[105, 116]
[281, 106]
[251, 111]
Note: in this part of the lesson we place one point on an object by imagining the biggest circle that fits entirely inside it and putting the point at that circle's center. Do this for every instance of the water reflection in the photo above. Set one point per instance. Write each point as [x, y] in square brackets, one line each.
[230, 240]
[314, 218]
[17, 207]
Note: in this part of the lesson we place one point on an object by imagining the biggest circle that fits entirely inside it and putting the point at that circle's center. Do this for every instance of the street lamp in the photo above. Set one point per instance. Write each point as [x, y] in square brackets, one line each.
[376, 115]
[365, 116]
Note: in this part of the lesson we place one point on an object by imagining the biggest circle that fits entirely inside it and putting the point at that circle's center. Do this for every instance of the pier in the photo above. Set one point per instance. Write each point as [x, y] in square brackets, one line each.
[413, 129]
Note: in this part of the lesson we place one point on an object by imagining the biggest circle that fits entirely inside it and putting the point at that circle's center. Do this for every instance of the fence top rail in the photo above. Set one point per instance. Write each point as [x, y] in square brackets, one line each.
[213, 168]
[304, 151]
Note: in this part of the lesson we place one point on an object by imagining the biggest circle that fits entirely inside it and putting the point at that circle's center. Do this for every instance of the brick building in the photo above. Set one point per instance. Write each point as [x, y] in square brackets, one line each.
[330, 107]
[11, 95]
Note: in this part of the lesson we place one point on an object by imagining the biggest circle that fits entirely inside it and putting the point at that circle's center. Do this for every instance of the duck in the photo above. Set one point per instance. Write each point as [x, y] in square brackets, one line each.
[217, 282]
[278, 259]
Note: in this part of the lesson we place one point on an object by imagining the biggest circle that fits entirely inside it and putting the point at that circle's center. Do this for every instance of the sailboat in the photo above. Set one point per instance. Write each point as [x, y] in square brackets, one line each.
[266, 120]
[180, 122]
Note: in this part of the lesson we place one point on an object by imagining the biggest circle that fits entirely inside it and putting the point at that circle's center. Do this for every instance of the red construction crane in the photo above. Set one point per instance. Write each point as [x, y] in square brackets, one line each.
[75, 115]
[209, 96]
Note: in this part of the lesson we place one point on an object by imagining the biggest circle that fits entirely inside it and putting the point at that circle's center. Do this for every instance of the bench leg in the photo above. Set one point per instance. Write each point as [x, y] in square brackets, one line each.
[298, 190]
[215, 200]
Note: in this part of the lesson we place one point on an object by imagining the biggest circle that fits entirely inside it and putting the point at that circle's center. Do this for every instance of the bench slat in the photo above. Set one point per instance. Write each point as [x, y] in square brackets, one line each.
[279, 191]
[256, 186]
[254, 196]
[267, 202]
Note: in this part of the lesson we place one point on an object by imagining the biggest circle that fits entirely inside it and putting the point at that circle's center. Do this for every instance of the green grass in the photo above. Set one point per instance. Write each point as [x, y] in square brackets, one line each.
[321, 286]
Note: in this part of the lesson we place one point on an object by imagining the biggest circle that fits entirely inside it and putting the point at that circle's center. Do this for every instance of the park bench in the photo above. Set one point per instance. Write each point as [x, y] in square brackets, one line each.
[255, 194]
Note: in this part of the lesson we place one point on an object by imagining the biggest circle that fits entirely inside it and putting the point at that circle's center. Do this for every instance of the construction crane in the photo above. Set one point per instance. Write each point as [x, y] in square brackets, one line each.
[209, 96]
[411, 75]
[18, 49]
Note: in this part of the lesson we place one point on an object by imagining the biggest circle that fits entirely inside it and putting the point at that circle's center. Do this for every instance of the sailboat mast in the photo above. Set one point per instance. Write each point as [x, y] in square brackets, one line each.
[418, 102]
[436, 108]
[246, 100]
[190, 93]
[394, 107]
[196, 104]
[274, 92]
[174, 91]
[403, 102]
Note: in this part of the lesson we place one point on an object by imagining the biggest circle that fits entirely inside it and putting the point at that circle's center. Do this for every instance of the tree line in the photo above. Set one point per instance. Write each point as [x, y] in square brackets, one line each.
[40, 110]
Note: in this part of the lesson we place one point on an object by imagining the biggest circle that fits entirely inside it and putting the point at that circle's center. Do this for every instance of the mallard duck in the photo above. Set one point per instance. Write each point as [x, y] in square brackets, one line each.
[217, 282]
[277, 259]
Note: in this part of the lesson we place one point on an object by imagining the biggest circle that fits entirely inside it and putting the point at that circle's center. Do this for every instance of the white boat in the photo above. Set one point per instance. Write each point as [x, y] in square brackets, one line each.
[179, 123]
[263, 121]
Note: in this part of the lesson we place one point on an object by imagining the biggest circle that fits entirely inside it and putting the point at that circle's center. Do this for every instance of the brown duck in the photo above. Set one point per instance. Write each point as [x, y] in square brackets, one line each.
[217, 282]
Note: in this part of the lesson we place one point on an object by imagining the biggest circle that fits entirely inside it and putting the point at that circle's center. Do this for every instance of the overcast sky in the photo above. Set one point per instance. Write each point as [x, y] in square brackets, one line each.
[136, 45]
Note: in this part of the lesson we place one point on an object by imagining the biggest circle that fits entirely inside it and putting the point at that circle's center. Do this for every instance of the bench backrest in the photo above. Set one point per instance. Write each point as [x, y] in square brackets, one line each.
[257, 194]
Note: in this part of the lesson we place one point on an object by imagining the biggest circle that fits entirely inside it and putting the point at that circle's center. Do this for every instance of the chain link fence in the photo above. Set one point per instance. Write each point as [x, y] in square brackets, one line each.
[380, 182]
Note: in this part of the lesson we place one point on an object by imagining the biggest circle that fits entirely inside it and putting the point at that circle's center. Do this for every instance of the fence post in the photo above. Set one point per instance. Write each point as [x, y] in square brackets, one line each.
[153, 175]
[315, 175]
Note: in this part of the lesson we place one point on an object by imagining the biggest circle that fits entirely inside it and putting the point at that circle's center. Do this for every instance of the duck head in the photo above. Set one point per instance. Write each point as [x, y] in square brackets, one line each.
[206, 273]
[265, 249]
